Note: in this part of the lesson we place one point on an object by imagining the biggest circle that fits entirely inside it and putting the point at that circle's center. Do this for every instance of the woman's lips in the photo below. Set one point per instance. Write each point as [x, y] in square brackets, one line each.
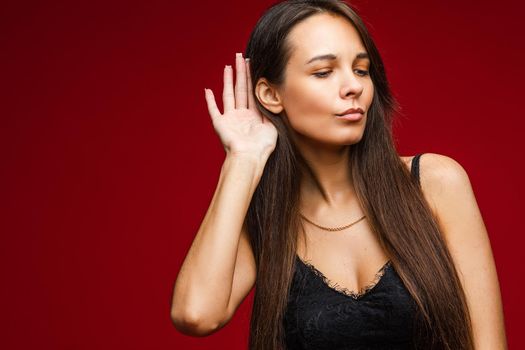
[351, 116]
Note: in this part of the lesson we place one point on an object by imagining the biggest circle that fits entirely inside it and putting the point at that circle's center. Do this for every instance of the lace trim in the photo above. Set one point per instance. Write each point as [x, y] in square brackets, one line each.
[355, 295]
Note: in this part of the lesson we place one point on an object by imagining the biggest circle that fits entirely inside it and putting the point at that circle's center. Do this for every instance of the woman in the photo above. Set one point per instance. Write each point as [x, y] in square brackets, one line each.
[312, 182]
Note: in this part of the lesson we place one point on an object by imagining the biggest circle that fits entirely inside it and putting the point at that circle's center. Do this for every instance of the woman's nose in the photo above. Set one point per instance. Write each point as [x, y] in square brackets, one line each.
[350, 84]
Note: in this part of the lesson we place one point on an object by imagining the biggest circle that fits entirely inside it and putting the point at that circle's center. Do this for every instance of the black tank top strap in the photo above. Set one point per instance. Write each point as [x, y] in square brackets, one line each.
[415, 167]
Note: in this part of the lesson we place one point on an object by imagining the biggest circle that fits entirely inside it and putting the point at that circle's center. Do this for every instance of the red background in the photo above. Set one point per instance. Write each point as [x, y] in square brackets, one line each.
[109, 159]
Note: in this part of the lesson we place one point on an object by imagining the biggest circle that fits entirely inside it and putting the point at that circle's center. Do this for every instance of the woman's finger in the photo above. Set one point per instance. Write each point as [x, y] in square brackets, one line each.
[228, 100]
[212, 105]
[240, 82]
[251, 98]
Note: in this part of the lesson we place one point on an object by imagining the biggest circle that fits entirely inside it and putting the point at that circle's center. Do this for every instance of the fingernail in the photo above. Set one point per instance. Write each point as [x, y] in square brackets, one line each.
[238, 55]
[247, 60]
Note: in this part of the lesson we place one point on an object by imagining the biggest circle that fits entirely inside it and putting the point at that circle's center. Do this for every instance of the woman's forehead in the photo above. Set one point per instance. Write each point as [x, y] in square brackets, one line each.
[324, 34]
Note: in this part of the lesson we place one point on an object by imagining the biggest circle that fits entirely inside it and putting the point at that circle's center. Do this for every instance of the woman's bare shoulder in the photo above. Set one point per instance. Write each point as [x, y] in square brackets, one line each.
[435, 165]
[437, 174]
[438, 170]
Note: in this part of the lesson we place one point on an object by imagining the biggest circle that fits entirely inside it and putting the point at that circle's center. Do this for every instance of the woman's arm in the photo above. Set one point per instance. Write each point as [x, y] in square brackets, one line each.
[201, 297]
[219, 268]
[448, 190]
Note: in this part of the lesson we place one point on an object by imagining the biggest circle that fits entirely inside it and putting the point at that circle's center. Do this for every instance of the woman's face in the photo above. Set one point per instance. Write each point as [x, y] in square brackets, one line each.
[315, 91]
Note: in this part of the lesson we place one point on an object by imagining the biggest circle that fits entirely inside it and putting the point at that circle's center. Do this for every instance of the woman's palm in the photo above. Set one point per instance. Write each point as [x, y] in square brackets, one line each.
[241, 128]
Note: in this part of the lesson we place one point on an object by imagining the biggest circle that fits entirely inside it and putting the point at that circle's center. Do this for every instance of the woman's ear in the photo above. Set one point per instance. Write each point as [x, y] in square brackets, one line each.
[268, 96]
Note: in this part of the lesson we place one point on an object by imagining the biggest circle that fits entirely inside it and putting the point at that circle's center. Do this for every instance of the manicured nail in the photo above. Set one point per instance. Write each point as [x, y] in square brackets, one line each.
[238, 54]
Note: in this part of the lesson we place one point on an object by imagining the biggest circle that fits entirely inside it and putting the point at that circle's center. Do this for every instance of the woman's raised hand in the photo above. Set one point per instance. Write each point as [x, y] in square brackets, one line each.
[243, 130]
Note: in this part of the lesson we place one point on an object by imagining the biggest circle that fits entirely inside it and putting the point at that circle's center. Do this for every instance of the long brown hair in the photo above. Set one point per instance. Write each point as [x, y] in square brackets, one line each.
[391, 199]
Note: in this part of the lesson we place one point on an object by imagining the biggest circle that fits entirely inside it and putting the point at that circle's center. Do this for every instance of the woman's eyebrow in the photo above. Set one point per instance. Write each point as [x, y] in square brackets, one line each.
[331, 56]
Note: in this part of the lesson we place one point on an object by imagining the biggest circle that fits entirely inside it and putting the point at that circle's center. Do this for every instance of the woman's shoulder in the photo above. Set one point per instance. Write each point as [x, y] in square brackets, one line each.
[439, 174]
[434, 166]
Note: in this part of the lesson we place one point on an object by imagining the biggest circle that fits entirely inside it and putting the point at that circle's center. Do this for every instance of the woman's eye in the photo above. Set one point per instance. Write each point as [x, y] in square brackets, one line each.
[322, 74]
[362, 72]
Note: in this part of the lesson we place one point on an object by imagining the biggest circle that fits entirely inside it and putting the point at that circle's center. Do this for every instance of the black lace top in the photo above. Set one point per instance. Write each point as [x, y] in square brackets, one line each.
[322, 315]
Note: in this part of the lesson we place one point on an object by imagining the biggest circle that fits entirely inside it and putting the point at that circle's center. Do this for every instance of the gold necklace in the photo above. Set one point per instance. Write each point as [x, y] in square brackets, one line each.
[332, 228]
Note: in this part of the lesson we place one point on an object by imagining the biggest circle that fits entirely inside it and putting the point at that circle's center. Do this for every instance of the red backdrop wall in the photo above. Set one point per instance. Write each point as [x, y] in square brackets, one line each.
[109, 159]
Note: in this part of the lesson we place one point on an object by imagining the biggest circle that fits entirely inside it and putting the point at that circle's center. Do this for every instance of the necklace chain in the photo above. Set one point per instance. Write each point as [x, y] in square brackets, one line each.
[333, 228]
